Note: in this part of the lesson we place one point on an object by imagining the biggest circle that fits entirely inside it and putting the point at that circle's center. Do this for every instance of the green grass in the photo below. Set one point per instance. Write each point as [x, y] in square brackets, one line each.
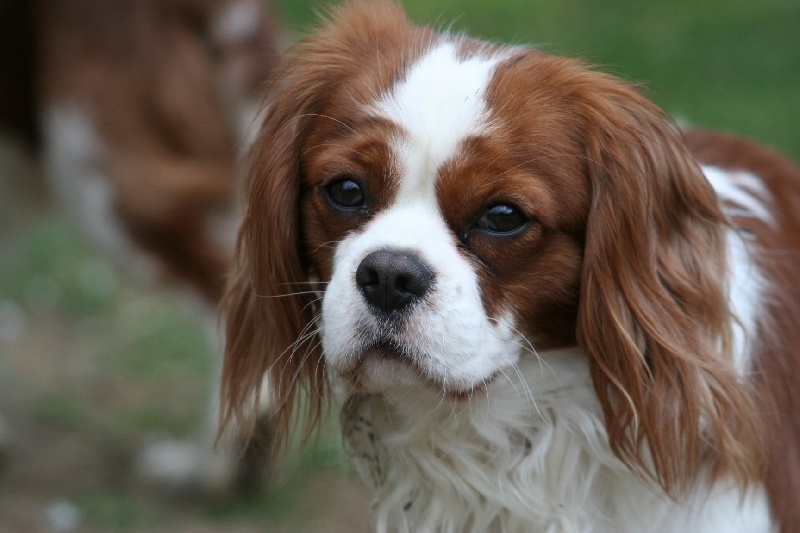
[131, 343]
[159, 343]
[114, 511]
[732, 65]
[62, 410]
[132, 363]
[51, 270]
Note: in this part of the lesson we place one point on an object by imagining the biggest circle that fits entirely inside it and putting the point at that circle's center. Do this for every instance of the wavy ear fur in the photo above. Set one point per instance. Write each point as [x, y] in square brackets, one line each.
[654, 316]
[269, 307]
[264, 309]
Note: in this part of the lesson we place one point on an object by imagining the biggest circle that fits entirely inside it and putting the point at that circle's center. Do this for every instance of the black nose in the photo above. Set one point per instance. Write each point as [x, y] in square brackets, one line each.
[392, 280]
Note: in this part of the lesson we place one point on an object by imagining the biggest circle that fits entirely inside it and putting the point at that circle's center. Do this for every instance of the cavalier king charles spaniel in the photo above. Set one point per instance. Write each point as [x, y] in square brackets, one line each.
[550, 309]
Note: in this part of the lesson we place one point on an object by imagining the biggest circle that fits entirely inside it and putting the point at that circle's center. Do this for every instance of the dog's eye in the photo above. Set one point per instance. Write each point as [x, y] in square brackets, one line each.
[345, 193]
[501, 218]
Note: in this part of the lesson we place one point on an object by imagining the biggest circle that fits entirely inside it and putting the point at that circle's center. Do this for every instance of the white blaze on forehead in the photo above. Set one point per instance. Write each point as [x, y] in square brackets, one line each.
[439, 103]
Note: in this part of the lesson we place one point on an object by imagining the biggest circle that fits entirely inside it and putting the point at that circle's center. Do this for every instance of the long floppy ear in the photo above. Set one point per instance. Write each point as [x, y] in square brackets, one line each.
[269, 307]
[265, 309]
[654, 315]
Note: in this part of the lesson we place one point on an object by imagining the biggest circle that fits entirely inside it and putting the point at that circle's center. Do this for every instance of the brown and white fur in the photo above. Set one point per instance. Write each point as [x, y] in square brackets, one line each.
[550, 309]
[145, 106]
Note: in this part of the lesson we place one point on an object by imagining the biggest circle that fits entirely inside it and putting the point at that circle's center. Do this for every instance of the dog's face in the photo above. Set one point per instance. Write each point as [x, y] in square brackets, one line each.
[460, 206]
[446, 247]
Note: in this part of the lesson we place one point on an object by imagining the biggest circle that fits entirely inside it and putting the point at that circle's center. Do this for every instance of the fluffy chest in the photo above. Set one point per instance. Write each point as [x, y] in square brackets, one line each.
[532, 456]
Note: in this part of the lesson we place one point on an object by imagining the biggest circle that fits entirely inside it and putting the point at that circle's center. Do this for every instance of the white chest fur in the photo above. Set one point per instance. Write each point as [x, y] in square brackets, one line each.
[532, 456]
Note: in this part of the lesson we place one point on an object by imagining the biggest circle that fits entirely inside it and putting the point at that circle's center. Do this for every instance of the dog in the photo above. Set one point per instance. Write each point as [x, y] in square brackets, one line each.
[550, 309]
[143, 109]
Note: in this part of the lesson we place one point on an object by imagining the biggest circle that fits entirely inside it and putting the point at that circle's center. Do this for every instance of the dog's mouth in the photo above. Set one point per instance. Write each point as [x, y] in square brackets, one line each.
[386, 349]
[394, 359]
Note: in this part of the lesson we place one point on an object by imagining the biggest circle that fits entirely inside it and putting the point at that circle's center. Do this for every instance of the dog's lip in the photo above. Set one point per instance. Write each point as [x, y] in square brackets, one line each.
[381, 351]
[389, 351]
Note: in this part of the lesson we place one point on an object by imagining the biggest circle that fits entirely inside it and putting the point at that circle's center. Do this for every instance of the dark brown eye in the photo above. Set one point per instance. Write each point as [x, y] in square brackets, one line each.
[345, 193]
[501, 218]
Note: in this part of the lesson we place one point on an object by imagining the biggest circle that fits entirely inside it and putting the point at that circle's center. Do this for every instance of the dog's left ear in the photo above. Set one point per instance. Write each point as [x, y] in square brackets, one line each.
[654, 316]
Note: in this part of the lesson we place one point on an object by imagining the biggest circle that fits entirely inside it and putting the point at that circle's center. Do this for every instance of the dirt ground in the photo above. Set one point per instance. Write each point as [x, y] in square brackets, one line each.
[92, 365]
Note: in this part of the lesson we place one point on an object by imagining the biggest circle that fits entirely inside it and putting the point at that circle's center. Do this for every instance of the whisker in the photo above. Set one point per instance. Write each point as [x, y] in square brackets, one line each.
[299, 293]
[328, 243]
[304, 335]
[526, 392]
[312, 302]
[528, 345]
[301, 156]
[328, 117]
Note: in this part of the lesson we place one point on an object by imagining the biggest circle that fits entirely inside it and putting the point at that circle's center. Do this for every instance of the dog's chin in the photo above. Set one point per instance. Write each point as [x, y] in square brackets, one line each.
[381, 370]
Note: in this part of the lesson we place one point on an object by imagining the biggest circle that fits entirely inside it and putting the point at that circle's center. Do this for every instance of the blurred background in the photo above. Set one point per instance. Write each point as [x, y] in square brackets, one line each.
[104, 351]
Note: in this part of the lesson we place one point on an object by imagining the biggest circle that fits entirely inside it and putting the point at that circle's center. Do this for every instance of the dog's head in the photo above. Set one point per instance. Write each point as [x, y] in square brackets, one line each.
[425, 210]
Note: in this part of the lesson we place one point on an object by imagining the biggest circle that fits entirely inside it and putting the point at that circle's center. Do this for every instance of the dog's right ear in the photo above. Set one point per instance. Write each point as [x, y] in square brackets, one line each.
[268, 308]
[269, 321]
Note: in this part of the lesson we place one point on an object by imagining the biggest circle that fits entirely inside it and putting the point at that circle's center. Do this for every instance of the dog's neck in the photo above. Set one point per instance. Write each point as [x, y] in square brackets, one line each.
[532, 455]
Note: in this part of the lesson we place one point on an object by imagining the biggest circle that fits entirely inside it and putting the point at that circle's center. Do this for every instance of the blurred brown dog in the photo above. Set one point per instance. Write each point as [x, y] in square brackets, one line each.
[140, 112]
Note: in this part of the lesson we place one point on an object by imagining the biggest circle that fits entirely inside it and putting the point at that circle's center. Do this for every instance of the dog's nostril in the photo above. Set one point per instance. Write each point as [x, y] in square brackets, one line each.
[392, 280]
[365, 275]
[417, 283]
[403, 283]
